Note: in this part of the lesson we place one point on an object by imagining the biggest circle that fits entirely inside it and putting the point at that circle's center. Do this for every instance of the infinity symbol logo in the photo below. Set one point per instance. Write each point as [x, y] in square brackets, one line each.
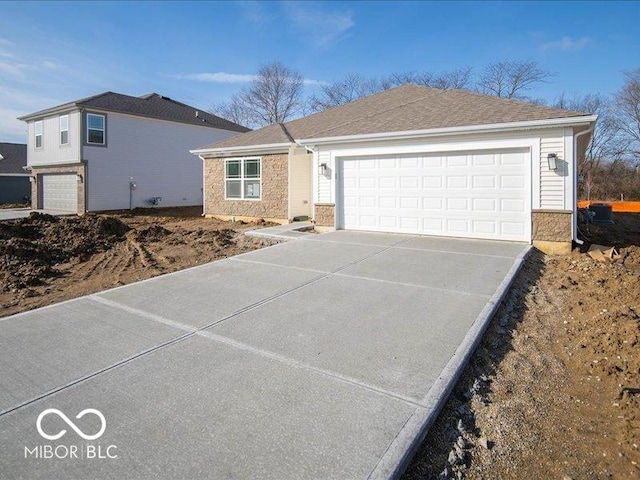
[71, 424]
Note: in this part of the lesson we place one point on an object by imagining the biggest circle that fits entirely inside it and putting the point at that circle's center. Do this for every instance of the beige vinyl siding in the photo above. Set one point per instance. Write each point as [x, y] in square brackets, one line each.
[52, 153]
[553, 184]
[299, 185]
[324, 181]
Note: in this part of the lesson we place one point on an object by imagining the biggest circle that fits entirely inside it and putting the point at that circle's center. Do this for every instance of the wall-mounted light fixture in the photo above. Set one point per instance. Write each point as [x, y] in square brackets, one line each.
[79, 177]
[32, 179]
[322, 169]
[552, 158]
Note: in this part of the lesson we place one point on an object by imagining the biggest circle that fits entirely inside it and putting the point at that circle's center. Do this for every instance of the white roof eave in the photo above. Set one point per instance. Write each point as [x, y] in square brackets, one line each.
[495, 127]
[247, 149]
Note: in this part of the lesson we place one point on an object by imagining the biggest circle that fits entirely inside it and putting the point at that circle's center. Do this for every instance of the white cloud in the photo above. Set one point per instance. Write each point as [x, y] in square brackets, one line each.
[5, 47]
[51, 65]
[12, 129]
[12, 70]
[256, 13]
[224, 77]
[321, 27]
[566, 44]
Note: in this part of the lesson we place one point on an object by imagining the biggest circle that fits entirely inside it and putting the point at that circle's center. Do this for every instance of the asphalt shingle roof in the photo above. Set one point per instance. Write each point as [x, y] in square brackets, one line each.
[405, 108]
[14, 157]
[151, 105]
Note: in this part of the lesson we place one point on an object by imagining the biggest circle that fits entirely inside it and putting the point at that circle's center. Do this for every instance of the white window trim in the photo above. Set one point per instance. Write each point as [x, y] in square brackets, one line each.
[35, 135]
[104, 129]
[65, 130]
[242, 179]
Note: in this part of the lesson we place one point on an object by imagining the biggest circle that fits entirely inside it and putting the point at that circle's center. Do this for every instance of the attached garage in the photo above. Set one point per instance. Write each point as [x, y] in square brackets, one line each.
[473, 194]
[59, 192]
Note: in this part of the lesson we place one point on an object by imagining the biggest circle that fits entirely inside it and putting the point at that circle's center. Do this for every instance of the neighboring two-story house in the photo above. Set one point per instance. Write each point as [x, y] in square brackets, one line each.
[113, 151]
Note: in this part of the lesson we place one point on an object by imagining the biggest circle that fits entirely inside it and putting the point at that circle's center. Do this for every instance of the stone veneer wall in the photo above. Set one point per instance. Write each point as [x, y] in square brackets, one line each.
[552, 231]
[76, 169]
[274, 202]
[325, 214]
[552, 226]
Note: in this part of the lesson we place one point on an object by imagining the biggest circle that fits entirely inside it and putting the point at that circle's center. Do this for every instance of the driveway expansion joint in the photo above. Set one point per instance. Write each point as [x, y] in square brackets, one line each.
[414, 285]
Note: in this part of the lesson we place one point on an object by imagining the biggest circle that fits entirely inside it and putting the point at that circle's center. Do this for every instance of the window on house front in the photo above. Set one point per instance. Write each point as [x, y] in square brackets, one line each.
[242, 179]
[64, 130]
[38, 134]
[95, 129]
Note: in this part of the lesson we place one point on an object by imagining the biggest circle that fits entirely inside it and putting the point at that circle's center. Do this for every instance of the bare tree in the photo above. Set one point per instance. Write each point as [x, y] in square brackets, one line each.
[459, 78]
[628, 106]
[355, 86]
[339, 92]
[234, 110]
[606, 147]
[511, 79]
[274, 96]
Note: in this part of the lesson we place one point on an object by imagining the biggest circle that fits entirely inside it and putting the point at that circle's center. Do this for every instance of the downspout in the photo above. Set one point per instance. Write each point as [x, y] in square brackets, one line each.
[204, 188]
[574, 224]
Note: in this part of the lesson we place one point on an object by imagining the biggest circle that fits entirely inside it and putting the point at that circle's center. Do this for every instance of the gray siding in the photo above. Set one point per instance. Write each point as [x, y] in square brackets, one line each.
[156, 154]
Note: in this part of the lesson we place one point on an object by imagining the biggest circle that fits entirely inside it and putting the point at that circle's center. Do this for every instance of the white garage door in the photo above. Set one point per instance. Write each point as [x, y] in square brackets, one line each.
[469, 194]
[60, 192]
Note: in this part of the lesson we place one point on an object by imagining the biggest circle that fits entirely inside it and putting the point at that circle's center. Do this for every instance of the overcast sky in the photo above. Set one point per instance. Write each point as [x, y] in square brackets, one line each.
[200, 53]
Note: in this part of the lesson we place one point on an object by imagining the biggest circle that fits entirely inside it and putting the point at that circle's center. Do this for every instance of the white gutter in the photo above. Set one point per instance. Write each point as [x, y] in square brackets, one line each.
[266, 148]
[574, 225]
[530, 124]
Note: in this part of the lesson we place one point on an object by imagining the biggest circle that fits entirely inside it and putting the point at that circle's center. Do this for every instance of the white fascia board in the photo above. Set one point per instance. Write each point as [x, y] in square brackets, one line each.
[251, 149]
[14, 175]
[494, 127]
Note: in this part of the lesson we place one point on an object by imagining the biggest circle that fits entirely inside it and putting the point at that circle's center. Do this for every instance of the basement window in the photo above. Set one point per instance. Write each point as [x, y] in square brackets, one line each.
[243, 178]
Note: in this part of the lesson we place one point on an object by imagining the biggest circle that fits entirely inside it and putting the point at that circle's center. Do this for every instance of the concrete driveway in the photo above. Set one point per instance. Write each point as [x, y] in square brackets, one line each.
[15, 213]
[325, 357]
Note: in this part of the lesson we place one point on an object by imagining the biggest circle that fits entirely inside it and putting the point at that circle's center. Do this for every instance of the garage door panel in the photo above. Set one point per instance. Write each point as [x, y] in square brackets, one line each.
[486, 160]
[479, 195]
[60, 192]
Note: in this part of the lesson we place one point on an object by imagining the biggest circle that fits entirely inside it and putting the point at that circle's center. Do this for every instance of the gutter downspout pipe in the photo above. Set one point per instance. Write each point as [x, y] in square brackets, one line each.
[204, 187]
[574, 226]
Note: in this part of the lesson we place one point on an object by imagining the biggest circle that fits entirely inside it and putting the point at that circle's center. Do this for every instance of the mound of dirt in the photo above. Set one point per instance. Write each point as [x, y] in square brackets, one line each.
[31, 248]
[45, 259]
[154, 233]
[553, 390]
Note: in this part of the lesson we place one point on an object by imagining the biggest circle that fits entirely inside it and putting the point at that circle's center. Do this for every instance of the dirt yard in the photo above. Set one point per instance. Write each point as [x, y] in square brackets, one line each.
[45, 259]
[554, 389]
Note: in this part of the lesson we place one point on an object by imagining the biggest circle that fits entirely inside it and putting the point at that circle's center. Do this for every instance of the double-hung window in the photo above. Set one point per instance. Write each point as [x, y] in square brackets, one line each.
[64, 130]
[38, 133]
[242, 177]
[95, 129]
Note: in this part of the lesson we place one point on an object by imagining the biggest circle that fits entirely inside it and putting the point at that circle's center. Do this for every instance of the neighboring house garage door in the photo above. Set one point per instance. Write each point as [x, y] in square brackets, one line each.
[60, 192]
[469, 194]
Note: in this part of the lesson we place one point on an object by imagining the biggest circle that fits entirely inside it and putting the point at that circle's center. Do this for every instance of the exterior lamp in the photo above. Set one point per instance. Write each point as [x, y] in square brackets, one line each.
[552, 158]
[322, 169]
